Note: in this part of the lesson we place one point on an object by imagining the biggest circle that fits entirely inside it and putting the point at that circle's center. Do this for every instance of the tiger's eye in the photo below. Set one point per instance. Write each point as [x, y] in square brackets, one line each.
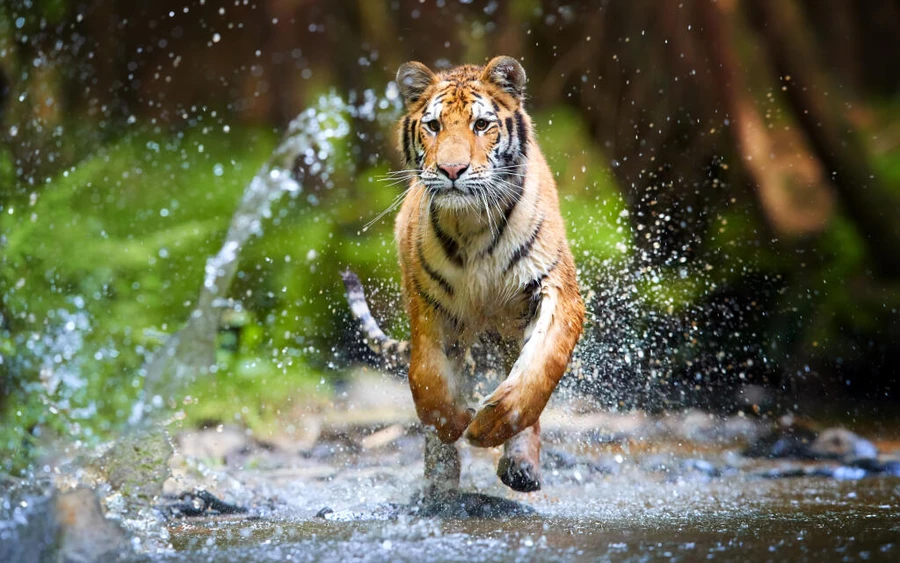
[481, 124]
[434, 125]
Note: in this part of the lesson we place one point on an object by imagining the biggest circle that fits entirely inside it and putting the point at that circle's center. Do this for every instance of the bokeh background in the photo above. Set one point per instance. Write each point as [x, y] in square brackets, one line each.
[729, 171]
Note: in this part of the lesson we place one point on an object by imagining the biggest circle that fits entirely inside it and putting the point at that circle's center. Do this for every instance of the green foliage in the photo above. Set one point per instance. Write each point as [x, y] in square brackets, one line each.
[250, 390]
[590, 201]
[107, 258]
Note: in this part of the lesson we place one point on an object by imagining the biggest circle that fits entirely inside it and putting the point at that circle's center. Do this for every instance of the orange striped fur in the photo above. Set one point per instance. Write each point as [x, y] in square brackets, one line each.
[483, 250]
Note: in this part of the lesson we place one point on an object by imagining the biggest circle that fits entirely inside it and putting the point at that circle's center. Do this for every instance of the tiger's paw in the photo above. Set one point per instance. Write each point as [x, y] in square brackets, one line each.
[498, 420]
[451, 425]
[519, 474]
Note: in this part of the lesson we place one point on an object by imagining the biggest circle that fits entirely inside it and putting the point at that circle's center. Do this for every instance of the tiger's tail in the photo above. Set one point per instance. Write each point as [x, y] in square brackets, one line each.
[395, 353]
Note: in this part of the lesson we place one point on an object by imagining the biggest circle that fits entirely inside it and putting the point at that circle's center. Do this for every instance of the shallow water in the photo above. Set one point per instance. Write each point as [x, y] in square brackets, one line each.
[641, 497]
[630, 500]
[739, 519]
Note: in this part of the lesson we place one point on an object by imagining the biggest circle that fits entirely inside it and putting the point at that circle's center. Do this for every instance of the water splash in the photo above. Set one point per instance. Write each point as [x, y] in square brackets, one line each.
[308, 150]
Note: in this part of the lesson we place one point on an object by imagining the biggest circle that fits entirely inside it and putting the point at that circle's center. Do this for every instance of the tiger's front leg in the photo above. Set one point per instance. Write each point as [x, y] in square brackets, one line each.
[438, 393]
[550, 338]
[435, 379]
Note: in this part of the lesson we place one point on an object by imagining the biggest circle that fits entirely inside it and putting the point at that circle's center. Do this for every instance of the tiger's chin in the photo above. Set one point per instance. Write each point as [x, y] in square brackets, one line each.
[455, 199]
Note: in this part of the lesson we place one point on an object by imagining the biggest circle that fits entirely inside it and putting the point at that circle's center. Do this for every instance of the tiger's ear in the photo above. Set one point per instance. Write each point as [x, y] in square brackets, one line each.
[413, 78]
[507, 73]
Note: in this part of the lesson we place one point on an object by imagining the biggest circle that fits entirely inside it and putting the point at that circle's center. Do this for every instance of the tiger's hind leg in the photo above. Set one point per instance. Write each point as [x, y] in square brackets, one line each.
[434, 378]
[520, 466]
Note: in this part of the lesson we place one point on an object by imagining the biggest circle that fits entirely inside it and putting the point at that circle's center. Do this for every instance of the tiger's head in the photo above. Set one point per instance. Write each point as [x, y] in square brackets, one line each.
[465, 134]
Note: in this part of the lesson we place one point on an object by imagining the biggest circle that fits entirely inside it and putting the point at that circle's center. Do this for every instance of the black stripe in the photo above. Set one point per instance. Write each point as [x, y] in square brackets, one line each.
[439, 279]
[502, 103]
[533, 290]
[534, 285]
[525, 248]
[451, 248]
[501, 228]
[520, 131]
[407, 142]
[435, 303]
[417, 142]
[496, 107]
[508, 153]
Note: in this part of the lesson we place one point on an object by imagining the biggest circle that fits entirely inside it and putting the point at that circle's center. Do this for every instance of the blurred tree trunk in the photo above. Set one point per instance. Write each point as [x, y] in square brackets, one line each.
[794, 198]
[820, 108]
[645, 102]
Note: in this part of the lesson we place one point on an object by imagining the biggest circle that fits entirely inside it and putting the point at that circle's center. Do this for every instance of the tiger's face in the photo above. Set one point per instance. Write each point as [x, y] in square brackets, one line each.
[465, 134]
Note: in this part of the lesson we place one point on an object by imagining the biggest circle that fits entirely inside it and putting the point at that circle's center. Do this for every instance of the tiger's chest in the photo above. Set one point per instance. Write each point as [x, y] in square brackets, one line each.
[486, 297]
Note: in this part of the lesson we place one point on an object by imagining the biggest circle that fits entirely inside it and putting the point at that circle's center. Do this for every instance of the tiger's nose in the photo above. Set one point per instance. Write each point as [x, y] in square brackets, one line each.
[453, 171]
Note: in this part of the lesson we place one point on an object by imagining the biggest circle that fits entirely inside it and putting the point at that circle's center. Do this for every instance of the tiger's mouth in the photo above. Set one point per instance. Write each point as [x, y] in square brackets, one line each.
[448, 187]
[452, 188]
[452, 196]
[455, 197]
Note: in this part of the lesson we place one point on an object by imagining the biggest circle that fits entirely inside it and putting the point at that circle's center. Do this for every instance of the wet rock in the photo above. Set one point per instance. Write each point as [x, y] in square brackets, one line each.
[878, 466]
[553, 459]
[691, 425]
[851, 470]
[794, 441]
[197, 503]
[839, 472]
[790, 441]
[684, 469]
[841, 443]
[328, 450]
[458, 504]
[783, 473]
[137, 465]
[445, 504]
[739, 428]
[658, 463]
[605, 465]
[86, 535]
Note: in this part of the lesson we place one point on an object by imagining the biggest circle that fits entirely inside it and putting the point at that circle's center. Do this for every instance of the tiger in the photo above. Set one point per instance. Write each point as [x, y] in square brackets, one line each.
[483, 253]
